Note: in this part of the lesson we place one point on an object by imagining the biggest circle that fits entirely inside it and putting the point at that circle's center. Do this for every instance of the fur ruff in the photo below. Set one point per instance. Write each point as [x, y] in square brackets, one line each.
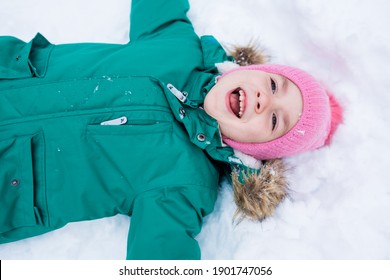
[258, 194]
[249, 55]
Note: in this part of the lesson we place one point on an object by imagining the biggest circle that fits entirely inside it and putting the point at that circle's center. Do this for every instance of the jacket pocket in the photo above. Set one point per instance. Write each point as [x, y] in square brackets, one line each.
[22, 188]
[19, 59]
[129, 156]
[131, 128]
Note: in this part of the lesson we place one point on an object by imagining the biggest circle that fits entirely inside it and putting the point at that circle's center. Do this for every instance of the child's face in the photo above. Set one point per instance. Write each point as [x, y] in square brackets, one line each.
[254, 106]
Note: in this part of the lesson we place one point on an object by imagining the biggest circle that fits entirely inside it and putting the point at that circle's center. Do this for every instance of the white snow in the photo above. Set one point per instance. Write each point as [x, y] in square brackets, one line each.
[339, 204]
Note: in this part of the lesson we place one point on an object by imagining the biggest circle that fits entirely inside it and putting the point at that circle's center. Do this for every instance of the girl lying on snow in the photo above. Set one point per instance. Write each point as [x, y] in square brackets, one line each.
[145, 129]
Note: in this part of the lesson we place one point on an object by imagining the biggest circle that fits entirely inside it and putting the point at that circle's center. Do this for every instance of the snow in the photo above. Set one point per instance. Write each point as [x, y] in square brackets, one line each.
[339, 203]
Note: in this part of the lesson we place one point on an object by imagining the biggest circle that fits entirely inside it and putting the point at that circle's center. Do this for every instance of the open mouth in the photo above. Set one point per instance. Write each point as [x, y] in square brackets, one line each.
[237, 102]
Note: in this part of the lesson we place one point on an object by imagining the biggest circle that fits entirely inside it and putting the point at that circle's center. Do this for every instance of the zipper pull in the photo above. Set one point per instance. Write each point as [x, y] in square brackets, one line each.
[179, 95]
[118, 121]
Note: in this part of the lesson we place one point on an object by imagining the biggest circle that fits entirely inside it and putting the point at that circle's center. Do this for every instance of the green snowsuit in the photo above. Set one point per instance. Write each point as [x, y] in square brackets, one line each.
[160, 164]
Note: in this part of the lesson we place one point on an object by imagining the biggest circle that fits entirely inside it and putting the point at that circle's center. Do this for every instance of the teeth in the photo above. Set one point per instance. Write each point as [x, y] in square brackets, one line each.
[241, 98]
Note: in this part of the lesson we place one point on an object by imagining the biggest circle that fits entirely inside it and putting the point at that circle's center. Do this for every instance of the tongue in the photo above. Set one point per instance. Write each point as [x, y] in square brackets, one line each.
[235, 103]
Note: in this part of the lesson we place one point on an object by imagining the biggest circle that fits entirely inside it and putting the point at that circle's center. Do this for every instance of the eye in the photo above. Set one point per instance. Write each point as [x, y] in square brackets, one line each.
[273, 86]
[274, 121]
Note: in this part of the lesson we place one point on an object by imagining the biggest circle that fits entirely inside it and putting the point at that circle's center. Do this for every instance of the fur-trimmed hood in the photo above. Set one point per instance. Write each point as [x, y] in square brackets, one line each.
[256, 193]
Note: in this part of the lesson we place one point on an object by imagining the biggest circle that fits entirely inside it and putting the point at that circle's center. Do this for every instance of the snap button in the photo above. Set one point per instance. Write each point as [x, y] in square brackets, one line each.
[182, 112]
[18, 57]
[15, 182]
[201, 137]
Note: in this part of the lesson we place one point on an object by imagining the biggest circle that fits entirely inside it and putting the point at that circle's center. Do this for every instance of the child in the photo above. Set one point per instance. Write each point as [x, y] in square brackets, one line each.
[92, 130]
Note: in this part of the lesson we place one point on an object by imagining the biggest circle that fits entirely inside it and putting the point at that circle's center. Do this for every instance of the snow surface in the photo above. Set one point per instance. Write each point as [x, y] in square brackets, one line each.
[340, 200]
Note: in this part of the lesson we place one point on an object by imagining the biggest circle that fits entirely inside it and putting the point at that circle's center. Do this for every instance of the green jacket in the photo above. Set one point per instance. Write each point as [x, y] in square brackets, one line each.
[160, 164]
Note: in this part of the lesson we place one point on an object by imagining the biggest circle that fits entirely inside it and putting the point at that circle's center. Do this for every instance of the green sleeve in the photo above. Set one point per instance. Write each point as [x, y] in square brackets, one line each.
[155, 18]
[165, 222]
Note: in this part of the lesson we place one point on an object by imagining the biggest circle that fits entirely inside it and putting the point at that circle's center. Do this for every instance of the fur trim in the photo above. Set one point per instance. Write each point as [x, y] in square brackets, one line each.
[248, 160]
[260, 194]
[249, 55]
[226, 66]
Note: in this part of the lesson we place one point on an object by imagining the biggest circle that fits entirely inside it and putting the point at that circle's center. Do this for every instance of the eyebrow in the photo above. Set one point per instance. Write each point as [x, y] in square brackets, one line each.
[286, 122]
[284, 84]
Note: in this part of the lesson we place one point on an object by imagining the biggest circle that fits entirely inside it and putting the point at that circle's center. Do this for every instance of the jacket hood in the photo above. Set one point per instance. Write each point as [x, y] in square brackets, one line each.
[262, 186]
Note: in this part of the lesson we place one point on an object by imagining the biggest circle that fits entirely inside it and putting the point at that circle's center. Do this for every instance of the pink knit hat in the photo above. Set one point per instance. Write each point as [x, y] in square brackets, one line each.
[320, 116]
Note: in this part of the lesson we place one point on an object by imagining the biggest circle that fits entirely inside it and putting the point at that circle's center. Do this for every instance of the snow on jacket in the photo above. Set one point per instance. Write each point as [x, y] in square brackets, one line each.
[93, 130]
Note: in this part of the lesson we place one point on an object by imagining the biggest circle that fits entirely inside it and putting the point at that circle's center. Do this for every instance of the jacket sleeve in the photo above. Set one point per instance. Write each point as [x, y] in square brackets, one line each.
[165, 222]
[154, 18]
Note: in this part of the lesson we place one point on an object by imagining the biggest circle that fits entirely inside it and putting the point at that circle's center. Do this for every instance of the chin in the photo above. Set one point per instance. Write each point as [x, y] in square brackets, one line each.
[230, 136]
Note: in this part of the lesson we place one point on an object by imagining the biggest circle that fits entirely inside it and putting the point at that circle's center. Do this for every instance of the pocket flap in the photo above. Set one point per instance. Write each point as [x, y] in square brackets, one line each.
[16, 183]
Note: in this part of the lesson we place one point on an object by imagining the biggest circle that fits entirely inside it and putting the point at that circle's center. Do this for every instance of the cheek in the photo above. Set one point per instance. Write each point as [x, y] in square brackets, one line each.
[230, 129]
[255, 132]
[251, 134]
[240, 132]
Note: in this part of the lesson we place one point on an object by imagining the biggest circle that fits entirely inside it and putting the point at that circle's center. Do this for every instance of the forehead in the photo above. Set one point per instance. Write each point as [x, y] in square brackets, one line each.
[293, 103]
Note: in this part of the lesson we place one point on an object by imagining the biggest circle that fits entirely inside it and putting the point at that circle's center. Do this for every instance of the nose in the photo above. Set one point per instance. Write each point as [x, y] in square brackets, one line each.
[262, 102]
